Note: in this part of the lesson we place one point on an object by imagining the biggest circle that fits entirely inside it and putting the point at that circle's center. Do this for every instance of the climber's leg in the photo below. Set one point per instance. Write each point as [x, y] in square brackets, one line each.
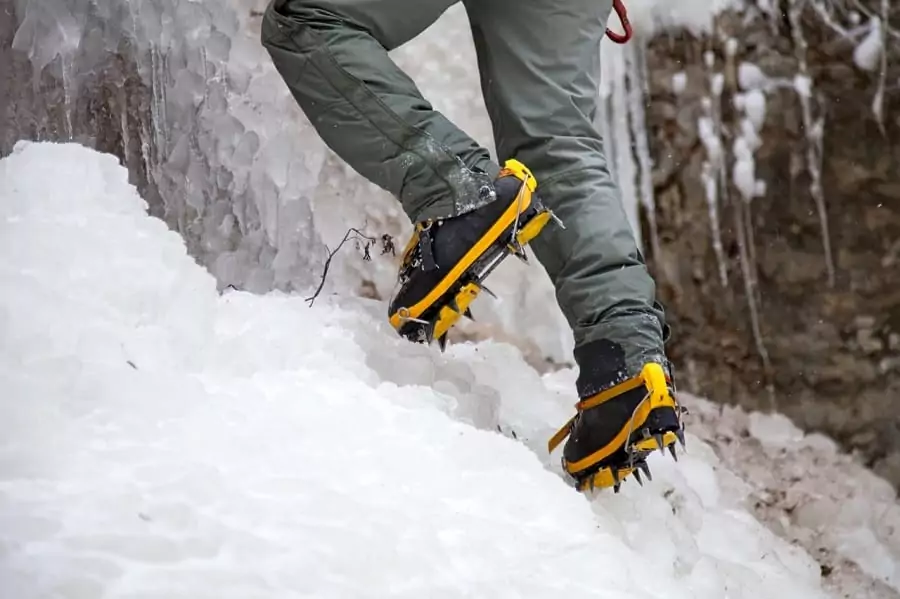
[540, 66]
[333, 55]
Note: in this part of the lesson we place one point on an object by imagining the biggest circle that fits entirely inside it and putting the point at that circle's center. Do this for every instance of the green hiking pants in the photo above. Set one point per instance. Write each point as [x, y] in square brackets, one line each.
[540, 64]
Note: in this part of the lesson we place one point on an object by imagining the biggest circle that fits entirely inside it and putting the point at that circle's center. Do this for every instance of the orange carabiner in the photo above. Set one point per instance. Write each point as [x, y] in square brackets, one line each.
[620, 38]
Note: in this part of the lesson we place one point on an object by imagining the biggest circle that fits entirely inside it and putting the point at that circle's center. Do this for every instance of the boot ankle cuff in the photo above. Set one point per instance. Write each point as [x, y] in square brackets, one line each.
[601, 365]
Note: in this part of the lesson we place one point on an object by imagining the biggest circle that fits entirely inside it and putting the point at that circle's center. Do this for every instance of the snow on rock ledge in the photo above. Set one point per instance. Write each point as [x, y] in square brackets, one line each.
[162, 440]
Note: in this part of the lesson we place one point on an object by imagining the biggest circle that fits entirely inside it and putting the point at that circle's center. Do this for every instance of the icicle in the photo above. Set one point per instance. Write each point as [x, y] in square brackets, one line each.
[712, 199]
[878, 100]
[711, 132]
[158, 118]
[123, 126]
[66, 72]
[803, 86]
[752, 103]
[619, 139]
[638, 91]
[145, 149]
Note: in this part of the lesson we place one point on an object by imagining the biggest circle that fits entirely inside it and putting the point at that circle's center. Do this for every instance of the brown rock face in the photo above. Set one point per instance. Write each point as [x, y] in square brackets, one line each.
[827, 347]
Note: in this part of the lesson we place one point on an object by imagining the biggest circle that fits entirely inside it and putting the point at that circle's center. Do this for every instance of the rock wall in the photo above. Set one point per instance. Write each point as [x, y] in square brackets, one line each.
[826, 314]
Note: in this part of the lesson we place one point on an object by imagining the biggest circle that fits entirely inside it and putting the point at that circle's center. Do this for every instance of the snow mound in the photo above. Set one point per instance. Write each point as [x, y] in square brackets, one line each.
[162, 440]
[811, 493]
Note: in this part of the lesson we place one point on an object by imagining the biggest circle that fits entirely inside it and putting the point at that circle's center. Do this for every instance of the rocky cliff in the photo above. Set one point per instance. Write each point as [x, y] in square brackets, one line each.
[787, 296]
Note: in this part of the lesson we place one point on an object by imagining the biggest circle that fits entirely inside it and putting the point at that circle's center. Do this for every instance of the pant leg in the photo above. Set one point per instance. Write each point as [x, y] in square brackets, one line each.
[333, 55]
[540, 69]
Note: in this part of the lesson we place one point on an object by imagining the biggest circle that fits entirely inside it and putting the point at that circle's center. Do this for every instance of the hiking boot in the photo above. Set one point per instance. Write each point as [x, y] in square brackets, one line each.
[445, 263]
[617, 428]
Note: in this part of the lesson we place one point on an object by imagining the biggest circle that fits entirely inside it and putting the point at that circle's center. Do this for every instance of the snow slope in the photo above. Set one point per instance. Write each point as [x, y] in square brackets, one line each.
[162, 440]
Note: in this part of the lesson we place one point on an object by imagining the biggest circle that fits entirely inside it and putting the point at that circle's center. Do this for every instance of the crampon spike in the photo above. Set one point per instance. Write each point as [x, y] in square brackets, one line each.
[645, 468]
[637, 476]
[672, 451]
[519, 252]
[680, 434]
[488, 291]
[468, 314]
[442, 343]
[660, 444]
[557, 220]
[427, 333]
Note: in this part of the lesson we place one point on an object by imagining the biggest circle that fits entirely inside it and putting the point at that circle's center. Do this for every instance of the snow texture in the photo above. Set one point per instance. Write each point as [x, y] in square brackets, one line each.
[161, 439]
[811, 493]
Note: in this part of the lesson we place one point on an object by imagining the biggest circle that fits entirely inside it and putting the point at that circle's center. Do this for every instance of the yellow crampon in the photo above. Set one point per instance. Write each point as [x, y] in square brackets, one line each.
[634, 438]
[452, 299]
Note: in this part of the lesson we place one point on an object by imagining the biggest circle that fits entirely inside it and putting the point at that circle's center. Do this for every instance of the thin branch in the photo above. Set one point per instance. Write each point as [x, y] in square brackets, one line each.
[353, 234]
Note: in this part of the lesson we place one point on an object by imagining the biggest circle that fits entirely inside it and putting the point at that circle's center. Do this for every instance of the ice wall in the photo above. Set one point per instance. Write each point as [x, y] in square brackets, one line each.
[235, 176]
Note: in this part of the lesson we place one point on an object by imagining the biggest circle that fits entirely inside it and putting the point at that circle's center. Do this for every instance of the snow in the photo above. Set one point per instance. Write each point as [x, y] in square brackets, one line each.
[163, 439]
[751, 77]
[809, 492]
[256, 195]
[655, 16]
[679, 82]
[867, 54]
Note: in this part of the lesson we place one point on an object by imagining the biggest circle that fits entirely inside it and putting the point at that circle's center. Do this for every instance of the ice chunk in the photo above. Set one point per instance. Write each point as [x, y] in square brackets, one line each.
[867, 54]
[774, 429]
[751, 77]
[754, 105]
[679, 82]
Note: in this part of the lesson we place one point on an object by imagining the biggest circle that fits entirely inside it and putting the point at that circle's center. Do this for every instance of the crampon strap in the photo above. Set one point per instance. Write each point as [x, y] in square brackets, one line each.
[620, 38]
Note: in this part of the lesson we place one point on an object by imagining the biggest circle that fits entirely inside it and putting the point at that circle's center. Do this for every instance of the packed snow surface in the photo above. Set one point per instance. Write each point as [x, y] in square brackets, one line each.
[159, 439]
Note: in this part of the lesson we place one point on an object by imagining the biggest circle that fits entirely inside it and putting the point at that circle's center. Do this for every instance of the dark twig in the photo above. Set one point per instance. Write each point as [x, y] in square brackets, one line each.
[354, 234]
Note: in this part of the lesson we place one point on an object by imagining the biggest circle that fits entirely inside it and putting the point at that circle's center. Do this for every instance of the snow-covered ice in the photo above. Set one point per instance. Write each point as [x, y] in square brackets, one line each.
[160, 439]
